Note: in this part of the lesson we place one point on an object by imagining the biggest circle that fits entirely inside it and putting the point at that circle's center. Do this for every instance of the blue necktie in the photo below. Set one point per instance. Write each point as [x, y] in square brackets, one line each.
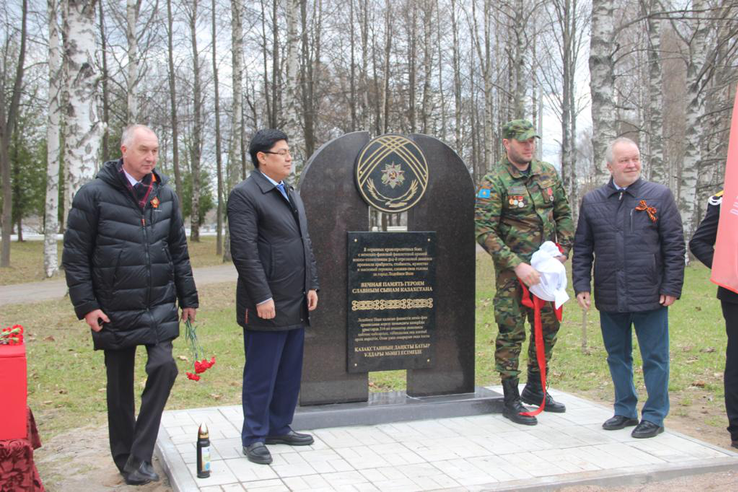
[281, 189]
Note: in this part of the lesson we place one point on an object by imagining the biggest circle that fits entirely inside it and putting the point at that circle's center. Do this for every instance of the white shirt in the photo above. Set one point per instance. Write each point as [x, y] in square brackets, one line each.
[131, 179]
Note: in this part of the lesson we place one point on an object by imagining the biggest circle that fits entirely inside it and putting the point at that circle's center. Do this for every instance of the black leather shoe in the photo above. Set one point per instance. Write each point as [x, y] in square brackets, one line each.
[292, 438]
[646, 429]
[257, 452]
[734, 444]
[139, 472]
[532, 395]
[618, 422]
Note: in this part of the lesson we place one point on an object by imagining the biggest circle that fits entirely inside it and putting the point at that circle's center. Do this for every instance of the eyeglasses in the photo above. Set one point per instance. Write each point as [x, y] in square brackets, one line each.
[282, 152]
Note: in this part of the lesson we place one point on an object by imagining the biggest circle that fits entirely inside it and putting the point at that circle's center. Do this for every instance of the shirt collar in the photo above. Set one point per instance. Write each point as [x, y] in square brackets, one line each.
[131, 179]
[271, 180]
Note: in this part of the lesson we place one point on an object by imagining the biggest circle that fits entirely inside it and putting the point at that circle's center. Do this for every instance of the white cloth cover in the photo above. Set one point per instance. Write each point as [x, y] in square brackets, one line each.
[552, 286]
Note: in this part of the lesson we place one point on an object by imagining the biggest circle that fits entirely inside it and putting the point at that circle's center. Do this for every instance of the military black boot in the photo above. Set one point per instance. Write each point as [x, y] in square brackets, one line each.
[533, 395]
[513, 406]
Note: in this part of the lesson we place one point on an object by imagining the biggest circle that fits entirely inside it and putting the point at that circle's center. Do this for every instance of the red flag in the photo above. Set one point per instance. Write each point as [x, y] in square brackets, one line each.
[725, 262]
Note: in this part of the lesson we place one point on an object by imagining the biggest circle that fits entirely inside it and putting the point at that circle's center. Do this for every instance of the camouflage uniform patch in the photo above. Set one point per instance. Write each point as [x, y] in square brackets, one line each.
[520, 212]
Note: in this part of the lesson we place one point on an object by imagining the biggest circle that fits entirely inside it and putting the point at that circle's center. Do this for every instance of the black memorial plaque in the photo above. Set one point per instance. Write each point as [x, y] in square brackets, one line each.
[391, 300]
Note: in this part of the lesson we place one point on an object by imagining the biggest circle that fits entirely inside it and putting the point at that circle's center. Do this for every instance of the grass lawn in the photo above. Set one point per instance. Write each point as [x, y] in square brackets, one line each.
[67, 383]
[27, 259]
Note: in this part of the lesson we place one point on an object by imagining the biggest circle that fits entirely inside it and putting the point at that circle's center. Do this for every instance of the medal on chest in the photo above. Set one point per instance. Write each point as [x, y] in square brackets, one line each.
[550, 192]
[517, 201]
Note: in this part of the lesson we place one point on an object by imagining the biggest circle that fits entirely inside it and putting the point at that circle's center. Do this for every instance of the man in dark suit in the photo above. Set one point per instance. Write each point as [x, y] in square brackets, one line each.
[127, 268]
[277, 289]
[702, 246]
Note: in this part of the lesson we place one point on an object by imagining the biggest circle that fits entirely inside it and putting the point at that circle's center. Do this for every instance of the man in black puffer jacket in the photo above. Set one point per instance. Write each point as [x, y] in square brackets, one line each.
[633, 231]
[126, 262]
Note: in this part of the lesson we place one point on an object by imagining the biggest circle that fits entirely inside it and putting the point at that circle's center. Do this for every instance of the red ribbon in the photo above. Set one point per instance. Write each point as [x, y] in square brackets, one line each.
[536, 303]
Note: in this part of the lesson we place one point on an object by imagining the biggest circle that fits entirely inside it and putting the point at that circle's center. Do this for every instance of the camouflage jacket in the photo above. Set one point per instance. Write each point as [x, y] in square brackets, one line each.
[516, 213]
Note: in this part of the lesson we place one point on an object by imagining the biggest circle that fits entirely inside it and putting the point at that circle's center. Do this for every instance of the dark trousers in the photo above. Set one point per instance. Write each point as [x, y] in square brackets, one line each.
[271, 382]
[730, 313]
[131, 436]
[652, 329]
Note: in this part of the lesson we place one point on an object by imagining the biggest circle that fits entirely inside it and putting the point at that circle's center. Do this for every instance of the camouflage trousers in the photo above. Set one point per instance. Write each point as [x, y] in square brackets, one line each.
[510, 316]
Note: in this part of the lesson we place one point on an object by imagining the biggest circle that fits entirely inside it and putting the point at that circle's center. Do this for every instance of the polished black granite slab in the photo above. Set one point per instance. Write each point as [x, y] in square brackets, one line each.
[334, 207]
[397, 406]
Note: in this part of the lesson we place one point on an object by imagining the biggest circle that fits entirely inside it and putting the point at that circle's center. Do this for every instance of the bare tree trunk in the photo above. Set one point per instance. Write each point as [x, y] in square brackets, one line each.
[441, 91]
[132, 10]
[8, 118]
[82, 126]
[519, 27]
[427, 63]
[457, 76]
[364, 77]
[265, 58]
[655, 95]
[105, 92]
[694, 119]
[276, 88]
[352, 71]
[387, 66]
[292, 93]
[307, 68]
[237, 80]
[173, 104]
[602, 80]
[412, 43]
[51, 217]
[218, 156]
[196, 146]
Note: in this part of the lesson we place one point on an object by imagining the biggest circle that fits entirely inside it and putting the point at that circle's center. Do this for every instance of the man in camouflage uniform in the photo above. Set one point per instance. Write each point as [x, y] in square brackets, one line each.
[520, 205]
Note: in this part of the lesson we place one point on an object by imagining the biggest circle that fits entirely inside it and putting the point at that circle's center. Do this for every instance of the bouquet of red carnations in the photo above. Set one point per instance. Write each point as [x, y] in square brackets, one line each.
[12, 335]
[197, 353]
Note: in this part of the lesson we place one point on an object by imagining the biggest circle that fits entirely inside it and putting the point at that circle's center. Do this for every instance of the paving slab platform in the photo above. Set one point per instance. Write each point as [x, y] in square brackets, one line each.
[470, 453]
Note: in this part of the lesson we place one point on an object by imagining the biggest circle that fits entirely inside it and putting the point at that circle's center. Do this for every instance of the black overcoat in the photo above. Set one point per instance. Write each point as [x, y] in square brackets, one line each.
[702, 244]
[130, 262]
[636, 259]
[272, 252]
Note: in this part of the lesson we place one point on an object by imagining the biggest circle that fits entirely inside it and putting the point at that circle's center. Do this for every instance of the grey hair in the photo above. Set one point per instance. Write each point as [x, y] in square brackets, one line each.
[126, 139]
[608, 152]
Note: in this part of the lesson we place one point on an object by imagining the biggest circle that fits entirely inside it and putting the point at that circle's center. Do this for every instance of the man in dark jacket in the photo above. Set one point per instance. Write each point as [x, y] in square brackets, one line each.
[277, 288]
[702, 246]
[632, 230]
[126, 262]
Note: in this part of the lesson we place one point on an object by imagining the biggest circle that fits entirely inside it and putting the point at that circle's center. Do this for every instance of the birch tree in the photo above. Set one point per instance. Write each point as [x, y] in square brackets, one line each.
[82, 130]
[173, 103]
[51, 221]
[602, 79]
[655, 119]
[8, 117]
[218, 156]
[132, 10]
[291, 83]
[196, 143]
[694, 116]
